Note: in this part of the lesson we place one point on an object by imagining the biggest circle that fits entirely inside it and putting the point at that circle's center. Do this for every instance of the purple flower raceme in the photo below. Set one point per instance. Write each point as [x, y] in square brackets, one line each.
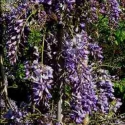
[41, 77]
[93, 11]
[41, 80]
[114, 10]
[79, 76]
[95, 51]
[104, 90]
[103, 9]
[15, 21]
[14, 40]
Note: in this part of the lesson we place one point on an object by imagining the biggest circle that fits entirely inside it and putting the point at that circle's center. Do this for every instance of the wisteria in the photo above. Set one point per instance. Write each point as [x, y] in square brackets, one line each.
[96, 51]
[52, 42]
[79, 75]
[15, 29]
[14, 41]
[41, 77]
[42, 82]
[105, 92]
[114, 10]
[17, 115]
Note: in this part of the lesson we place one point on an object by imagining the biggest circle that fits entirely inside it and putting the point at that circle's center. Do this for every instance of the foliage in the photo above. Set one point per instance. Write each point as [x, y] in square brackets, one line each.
[121, 88]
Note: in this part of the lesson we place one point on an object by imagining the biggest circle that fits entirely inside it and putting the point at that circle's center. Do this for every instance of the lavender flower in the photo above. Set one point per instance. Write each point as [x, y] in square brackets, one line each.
[41, 81]
[114, 10]
[79, 75]
[105, 90]
[15, 30]
[41, 77]
[14, 41]
[96, 51]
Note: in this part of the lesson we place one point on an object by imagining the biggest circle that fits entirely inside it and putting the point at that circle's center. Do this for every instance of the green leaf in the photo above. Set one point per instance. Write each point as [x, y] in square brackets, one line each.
[116, 42]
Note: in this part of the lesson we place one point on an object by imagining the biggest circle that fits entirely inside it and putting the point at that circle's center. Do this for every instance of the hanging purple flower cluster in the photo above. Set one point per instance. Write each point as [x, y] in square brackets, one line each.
[15, 21]
[95, 51]
[102, 9]
[41, 77]
[14, 40]
[105, 90]
[114, 10]
[79, 76]
[41, 80]
[93, 11]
